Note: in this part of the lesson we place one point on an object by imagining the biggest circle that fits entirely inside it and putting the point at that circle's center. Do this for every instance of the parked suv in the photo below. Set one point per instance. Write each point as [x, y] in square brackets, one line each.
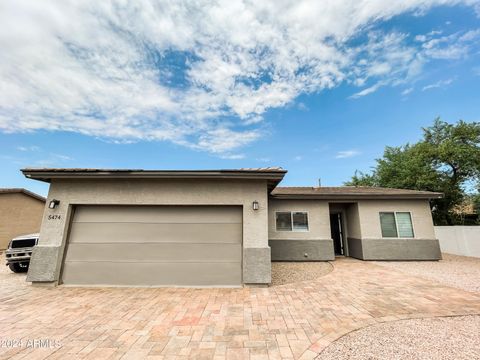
[19, 252]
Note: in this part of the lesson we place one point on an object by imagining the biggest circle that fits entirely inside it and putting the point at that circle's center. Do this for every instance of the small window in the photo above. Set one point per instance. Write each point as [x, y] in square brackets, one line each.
[404, 224]
[284, 221]
[387, 222]
[300, 221]
[292, 221]
[396, 224]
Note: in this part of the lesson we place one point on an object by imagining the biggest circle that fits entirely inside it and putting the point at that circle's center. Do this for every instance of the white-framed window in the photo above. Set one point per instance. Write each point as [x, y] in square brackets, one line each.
[291, 221]
[396, 224]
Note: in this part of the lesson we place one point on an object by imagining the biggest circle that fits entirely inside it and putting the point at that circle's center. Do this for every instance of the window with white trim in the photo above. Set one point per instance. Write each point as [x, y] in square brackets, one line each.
[291, 221]
[396, 224]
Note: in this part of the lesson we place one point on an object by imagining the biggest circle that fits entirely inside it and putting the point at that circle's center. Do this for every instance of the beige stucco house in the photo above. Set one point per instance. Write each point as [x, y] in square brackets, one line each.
[20, 213]
[214, 227]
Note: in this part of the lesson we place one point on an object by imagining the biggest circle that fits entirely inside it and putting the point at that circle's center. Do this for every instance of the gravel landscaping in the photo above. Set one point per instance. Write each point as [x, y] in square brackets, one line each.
[291, 272]
[457, 271]
[434, 338]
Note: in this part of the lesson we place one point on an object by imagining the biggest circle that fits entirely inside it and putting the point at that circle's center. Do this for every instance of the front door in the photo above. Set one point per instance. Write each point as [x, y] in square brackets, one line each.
[337, 233]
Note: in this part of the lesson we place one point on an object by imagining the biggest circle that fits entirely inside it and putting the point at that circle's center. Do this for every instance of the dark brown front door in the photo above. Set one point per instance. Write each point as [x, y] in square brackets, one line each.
[337, 234]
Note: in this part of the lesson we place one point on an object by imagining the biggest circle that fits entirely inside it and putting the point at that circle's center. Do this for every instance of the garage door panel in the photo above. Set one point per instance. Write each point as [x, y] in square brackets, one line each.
[163, 214]
[163, 252]
[146, 274]
[154, 246]
[153, 233]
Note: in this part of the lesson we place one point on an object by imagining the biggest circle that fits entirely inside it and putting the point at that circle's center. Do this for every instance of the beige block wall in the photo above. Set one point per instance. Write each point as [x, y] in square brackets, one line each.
[20, 214]
[370, 219]
[158, 192]
[318, 219]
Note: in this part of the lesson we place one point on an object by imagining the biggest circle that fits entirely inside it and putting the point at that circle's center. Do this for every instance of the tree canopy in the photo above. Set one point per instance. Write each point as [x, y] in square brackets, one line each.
[446, 159]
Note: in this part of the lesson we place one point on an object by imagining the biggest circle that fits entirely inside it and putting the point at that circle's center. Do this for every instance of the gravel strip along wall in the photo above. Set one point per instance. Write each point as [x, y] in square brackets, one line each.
[292, 272]
[461, 272]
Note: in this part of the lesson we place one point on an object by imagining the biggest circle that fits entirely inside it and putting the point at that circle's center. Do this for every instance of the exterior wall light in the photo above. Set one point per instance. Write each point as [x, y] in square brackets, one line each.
[255, 205]
[53, 204]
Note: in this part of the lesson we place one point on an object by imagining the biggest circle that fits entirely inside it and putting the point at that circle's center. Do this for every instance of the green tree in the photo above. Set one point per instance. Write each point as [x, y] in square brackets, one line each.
[446, 160]
[362, 179]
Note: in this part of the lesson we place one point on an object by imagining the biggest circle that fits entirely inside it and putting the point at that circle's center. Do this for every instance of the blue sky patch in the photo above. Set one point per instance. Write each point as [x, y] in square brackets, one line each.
[318, 89]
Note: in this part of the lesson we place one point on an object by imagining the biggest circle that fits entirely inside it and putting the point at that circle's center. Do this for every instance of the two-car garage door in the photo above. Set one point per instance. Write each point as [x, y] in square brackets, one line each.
[154, 245]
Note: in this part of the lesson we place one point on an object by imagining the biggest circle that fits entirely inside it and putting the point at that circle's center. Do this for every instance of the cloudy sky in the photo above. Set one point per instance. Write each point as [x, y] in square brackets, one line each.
[318, 87]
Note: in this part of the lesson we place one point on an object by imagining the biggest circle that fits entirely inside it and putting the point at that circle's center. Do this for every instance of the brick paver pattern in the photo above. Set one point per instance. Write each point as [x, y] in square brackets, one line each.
[295, 321]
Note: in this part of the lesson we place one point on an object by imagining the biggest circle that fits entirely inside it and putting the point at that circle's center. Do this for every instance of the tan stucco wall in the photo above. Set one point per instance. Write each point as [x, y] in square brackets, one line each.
[20, 214]
[362, 217]
[318, 219]
[354, 229]
[362, 229]
[160, 192]
[370, 220]
[53, 234]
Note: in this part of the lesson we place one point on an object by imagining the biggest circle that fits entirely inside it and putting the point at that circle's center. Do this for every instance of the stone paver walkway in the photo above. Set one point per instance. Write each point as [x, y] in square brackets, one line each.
[295, 321]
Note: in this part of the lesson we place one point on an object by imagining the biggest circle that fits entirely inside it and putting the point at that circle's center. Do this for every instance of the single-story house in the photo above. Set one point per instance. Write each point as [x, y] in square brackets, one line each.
[21, 213]
[214, 227]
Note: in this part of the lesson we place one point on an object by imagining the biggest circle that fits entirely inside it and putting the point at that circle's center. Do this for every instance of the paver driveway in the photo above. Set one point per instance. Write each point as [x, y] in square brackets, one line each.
[289, 321]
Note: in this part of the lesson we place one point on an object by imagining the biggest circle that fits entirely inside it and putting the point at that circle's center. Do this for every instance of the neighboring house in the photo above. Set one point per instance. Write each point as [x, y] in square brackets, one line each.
[214, 227]
[20, 213]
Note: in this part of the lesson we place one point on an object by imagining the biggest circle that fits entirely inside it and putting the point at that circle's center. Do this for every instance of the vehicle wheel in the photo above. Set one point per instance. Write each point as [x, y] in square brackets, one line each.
[18, 267]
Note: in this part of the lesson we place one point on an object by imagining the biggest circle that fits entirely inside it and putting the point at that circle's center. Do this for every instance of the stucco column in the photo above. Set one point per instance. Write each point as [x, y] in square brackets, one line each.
[46, 260]
[257, 264]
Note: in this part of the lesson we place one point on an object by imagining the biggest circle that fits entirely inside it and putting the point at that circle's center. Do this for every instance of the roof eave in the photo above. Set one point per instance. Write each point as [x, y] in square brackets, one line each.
[34, 195]
[349, 197]
[273, 177]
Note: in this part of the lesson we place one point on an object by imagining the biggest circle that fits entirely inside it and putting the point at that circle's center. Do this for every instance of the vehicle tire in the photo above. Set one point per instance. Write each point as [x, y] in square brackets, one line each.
[18, 267]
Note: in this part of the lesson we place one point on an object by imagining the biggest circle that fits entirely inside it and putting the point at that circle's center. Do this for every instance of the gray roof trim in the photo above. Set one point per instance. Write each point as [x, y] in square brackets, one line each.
[272, 175]
[346, 193]
[348, 197]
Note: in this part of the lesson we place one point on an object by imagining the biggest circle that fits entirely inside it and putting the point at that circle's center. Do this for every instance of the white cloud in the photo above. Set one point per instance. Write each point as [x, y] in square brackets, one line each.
[395, 63]
[33, 148]
[46, 163]
[302, 106]
[407, 91]
[425, 37]
[347, 154]
[453, 46]
[384, 60]
[197, 73]
[222, 140]
[44, 159]
[438, 84]
[39, 157]
[421, 38]
[232, 156]
[61, 157]
[298, 158]
[366, 91]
